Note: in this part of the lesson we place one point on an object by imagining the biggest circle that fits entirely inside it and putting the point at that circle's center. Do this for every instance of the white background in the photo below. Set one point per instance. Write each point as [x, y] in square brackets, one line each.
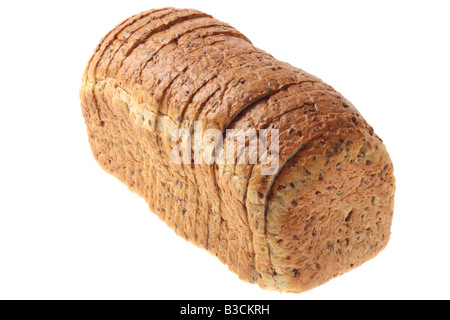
[68, 230]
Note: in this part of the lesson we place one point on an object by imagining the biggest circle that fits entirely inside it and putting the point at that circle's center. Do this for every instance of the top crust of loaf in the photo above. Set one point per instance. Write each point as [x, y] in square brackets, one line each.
[327, 209]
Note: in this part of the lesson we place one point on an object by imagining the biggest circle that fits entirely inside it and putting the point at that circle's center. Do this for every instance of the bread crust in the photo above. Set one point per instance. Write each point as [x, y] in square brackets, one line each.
[326, 209]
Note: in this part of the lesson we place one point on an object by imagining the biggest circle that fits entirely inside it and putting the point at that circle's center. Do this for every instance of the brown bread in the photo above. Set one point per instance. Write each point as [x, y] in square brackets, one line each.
[326, 210]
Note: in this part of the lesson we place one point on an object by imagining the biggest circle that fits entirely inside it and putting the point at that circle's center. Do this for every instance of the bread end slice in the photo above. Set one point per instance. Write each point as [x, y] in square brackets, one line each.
[329, 210]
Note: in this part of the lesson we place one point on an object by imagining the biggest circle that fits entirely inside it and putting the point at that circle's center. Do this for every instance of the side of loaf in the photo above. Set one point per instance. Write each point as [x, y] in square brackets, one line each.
[325, 210]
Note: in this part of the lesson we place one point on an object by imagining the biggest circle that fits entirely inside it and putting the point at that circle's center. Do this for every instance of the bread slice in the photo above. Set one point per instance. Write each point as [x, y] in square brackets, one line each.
[326, 209]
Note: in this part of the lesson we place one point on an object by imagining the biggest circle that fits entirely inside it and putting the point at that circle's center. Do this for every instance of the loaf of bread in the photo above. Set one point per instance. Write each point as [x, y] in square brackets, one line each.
[324, 209]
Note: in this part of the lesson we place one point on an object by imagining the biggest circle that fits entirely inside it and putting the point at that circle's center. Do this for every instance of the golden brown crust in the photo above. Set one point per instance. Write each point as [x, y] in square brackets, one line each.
[328, 207]
[338, 218]
[109, 45]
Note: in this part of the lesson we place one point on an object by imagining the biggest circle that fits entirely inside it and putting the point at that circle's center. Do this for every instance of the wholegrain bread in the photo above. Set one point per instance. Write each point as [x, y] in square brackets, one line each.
[326, 209]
